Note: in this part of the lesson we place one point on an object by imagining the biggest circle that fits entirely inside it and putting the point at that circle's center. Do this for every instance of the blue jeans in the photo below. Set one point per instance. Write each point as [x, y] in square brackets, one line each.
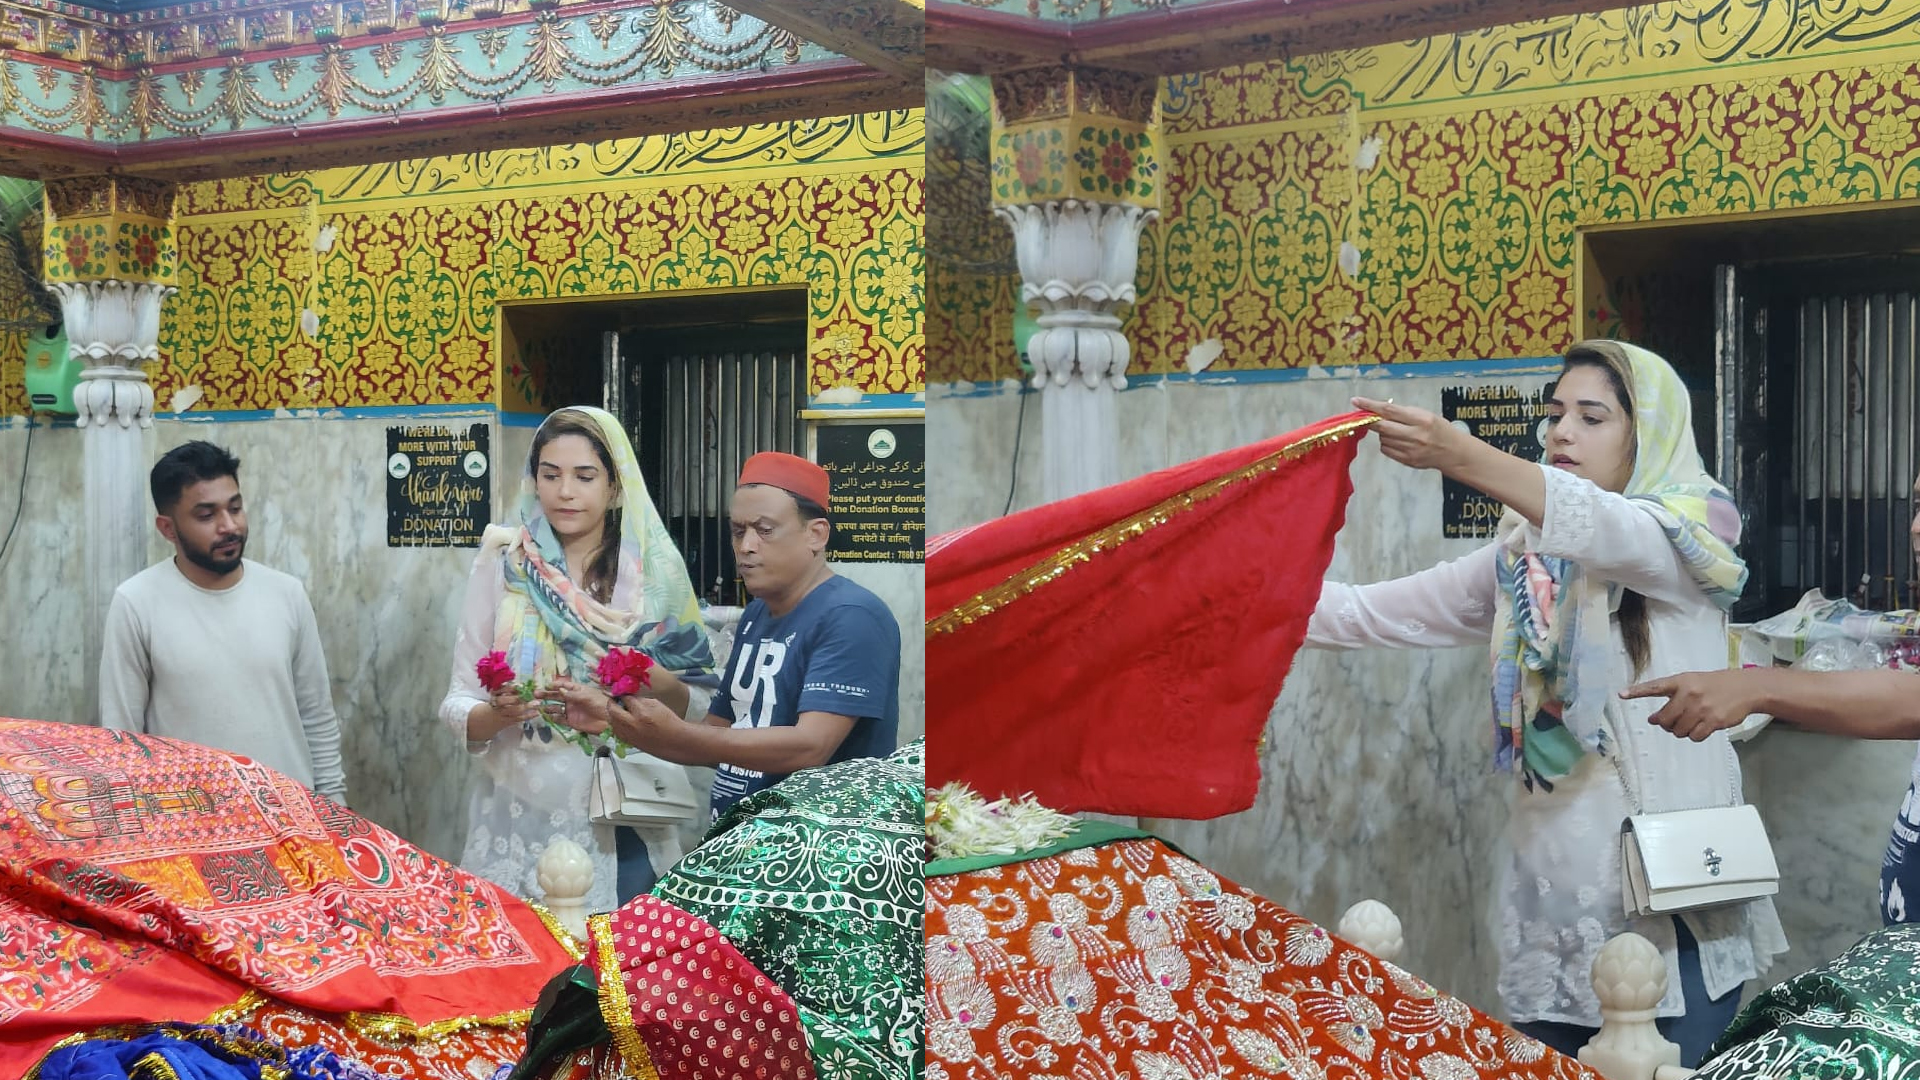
[1705, 1019]
[636, 874]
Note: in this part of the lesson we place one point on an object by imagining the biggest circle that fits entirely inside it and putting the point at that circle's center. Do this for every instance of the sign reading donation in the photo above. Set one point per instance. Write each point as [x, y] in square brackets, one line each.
[878, 471]
[439, 491]
[1504, 417]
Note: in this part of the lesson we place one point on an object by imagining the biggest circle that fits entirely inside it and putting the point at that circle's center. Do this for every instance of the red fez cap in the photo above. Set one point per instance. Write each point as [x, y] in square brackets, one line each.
[790, 473]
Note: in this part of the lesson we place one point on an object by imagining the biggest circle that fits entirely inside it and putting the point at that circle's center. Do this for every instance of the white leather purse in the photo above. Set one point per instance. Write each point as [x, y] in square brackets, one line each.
[639, 789]
[1689, 859]
[1695, 858]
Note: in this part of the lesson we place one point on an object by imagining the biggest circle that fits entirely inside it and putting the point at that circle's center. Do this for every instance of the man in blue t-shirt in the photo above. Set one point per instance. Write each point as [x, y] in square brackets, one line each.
[815, 673]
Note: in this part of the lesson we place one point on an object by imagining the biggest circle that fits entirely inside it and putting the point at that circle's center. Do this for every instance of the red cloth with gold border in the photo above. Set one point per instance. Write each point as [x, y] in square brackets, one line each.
[684, 1004]
[1119, 652]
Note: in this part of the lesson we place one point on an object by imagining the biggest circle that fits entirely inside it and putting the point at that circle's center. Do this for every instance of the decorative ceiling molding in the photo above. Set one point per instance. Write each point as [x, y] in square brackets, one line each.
[884, 34]
[1170, 37]
[838, 88]
[591, 47]
[260, 83]
[216, 30]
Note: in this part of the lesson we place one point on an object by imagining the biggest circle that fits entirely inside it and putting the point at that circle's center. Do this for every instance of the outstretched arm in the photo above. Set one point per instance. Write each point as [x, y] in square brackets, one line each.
[651, 726]
[1609, 535]
[1879, 704]
[1440, 607]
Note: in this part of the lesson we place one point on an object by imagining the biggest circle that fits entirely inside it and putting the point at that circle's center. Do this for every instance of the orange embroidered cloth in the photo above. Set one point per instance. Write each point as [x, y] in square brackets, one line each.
[147, 879]
[1129, 959]
[1120, 652]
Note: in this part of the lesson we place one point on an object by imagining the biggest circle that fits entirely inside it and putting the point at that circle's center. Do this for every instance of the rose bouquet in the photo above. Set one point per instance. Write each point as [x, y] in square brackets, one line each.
[496, 674]
[623, 672]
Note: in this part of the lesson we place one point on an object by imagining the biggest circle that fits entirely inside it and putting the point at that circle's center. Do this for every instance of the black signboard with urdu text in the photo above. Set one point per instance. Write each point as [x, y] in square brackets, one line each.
[878, 470]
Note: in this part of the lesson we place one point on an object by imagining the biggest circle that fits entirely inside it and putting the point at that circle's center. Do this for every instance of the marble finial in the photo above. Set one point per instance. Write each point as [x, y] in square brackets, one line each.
[565, 873]
[1374, 927]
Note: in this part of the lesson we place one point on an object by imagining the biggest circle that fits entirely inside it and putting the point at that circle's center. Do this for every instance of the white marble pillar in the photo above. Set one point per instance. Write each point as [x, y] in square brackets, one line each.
[111, 259]
[113, 327]
[1077, 261]
[1077, 177]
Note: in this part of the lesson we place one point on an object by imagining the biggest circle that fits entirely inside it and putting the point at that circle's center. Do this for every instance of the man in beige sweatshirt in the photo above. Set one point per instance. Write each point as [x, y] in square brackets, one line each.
[212, 648]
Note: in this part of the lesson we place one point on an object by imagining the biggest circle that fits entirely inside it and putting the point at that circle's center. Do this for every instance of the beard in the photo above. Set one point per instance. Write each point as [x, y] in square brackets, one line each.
[205, 559]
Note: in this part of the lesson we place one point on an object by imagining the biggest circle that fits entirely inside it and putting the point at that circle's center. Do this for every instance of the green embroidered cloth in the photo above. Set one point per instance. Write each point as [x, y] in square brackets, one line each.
[819, 880]
[1857, 1018]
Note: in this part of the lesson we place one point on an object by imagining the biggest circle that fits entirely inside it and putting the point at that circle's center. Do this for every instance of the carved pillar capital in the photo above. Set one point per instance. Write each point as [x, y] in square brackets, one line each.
[111, 259]
[1076, 176]
[109, 255]
[1077, 260]
[112, 326]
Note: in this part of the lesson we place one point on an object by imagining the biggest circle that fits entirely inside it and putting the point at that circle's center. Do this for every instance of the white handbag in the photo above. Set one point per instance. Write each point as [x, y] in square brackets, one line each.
[639, 789]
[1695, 858]
[1689, 859]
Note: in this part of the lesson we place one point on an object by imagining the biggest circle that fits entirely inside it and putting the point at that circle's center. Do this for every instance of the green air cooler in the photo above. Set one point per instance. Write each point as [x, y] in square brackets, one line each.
[51, 373]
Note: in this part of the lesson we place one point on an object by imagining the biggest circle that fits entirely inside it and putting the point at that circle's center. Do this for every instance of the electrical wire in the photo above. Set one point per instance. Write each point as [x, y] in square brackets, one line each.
[1019, 425]
[20, 500]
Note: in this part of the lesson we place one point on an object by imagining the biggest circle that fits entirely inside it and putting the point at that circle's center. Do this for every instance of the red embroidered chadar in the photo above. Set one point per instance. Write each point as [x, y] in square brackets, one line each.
[1119, 652]
[144, 879]
[1127, 959]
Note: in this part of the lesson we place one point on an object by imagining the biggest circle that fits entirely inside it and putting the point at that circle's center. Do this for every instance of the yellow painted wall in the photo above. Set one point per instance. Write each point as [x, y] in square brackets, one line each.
[424, 251]
[1495, 149]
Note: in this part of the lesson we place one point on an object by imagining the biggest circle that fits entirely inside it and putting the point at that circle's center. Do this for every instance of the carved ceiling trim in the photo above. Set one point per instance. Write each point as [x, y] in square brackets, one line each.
[837, 88]
[220, 29]
[885, 34]
[1211, 34]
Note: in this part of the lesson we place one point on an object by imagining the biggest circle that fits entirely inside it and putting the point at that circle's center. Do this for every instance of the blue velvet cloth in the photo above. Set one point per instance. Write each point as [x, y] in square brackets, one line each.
[198, 1052]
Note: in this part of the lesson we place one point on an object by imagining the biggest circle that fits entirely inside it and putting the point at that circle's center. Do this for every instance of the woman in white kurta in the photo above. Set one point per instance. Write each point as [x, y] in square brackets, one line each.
[1614, 561]
[590, 565]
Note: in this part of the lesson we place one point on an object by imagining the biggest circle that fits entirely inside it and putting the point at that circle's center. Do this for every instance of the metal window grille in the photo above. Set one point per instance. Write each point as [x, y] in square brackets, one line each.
[1854, 432]
[697, 410]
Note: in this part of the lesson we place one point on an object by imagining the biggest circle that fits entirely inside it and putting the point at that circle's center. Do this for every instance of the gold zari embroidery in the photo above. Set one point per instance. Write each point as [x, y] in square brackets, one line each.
[560, 933]
[1082, 551]
[614, 1004]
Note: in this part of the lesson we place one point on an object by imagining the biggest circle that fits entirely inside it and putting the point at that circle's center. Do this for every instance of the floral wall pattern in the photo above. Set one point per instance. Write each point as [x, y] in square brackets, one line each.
[1493, 149]
[421, 254]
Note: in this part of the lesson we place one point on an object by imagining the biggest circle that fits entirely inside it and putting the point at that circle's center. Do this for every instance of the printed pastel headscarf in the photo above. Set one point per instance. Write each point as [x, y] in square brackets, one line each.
[547, 625]
[1553, 661]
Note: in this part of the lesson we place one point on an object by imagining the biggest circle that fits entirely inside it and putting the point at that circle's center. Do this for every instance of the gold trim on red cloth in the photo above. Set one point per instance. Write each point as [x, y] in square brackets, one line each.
[614, 1003]
[237, 1011]
[383, 1027]
[1082, 551]
[560, 933]
[390, 1028]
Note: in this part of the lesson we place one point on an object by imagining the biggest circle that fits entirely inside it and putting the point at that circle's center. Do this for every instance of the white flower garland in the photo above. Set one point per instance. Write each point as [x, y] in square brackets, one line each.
[961, 824]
